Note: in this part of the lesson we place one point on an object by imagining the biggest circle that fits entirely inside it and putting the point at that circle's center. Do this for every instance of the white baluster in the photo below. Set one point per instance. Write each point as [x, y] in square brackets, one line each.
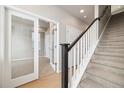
[81, 50]
[78, 55]
[89, 40]
[84, 45]
[74, 64]
[93, 34]
[70, 64]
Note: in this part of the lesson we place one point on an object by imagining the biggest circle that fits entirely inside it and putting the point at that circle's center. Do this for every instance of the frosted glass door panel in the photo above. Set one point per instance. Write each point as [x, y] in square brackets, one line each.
[22, 49]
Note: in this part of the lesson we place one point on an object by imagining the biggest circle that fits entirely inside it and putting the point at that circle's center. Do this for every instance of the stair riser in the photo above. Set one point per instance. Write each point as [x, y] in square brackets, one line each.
[109, 49]
[110, 54]
[107, 68]
[116, 38]
[116, 24]
[115, 27]
[113, 36]
[112, 41]
[112, 30]
[120, 40]
[114, 33]
[107, 58]
[108, 76]
[88, 83]
[102, 81]
[118, 65]
[111, 44]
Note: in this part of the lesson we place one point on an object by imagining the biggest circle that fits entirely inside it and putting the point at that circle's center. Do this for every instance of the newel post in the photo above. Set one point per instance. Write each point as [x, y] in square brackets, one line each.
[64, 60]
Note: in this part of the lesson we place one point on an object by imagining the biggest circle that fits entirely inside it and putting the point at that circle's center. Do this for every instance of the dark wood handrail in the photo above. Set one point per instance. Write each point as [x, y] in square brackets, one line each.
[78, 38]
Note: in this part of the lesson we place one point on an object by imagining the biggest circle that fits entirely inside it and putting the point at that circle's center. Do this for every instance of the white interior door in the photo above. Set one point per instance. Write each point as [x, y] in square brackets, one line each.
[22, 49]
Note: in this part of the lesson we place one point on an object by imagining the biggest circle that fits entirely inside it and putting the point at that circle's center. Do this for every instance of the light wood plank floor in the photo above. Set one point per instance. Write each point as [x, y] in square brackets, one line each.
[50, 81]
[48, 78]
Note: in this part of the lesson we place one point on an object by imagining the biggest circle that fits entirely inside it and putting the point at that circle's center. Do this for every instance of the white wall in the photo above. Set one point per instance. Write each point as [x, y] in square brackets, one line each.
[47, 43]
[54, 13]
[105, 18]
[72, 34]
[42, 44]
[117, 8]
[57, 14]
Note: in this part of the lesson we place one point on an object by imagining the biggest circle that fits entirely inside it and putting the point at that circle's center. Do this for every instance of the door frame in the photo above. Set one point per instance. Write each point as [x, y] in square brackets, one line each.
[52, 47]
[29, 77]
[38, 17]
[2, 47]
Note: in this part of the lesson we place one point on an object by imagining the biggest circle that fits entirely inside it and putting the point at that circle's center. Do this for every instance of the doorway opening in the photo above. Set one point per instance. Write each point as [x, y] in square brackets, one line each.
[47, 48]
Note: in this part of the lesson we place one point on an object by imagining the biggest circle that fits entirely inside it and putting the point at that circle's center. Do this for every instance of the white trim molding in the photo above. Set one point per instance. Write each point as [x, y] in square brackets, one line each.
[2, 15]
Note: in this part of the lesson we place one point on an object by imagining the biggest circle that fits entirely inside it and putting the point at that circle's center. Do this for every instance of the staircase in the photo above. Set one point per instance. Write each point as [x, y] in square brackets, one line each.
[106, 68]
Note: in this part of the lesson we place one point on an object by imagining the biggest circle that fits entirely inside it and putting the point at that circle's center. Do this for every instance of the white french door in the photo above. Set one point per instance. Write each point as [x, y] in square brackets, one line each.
[21, 48]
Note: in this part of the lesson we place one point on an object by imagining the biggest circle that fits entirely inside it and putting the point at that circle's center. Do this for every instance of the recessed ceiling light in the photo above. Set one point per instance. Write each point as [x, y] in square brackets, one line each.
[81, 11]
[85, 16]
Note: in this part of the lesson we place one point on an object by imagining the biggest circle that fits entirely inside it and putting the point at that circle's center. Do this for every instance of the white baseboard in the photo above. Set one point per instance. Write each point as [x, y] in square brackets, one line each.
[28, 58]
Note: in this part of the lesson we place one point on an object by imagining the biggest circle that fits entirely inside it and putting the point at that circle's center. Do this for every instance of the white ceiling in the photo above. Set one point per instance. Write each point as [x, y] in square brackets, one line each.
[75, 11]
